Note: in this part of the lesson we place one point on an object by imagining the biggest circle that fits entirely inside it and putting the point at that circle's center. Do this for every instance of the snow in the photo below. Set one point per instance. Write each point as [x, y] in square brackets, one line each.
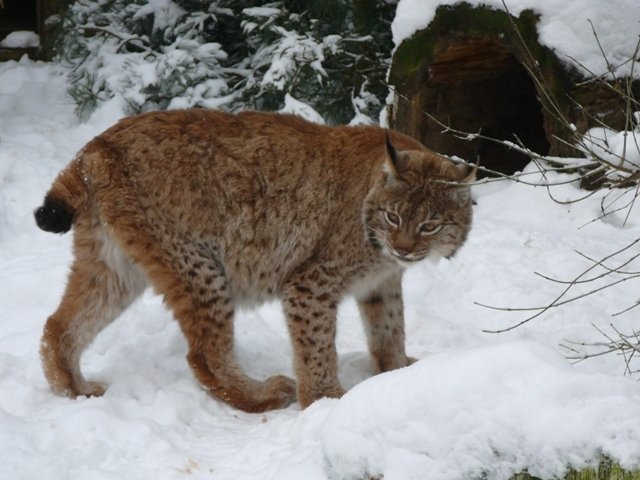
[482, 412]
[261, 11]
[296, 107]
[292, 50]
[165, 13]
[621, 149]
[21, 39]
[564, 26]
[476, 402]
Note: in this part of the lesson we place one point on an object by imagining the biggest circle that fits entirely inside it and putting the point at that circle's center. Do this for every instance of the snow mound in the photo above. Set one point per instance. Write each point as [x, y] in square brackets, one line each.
[564, 27]
[486, 412]
[616, 148]
[20, 39]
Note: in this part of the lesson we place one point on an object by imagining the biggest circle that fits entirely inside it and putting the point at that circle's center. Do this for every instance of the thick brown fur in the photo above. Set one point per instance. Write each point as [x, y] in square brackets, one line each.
[215, 210]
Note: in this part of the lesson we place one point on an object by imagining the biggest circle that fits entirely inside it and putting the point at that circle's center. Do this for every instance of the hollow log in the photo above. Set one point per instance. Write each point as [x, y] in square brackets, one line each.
[479, 70]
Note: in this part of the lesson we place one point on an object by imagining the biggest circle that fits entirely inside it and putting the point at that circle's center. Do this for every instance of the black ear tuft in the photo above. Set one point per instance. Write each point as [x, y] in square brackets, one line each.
[391, 151]
[391, 161]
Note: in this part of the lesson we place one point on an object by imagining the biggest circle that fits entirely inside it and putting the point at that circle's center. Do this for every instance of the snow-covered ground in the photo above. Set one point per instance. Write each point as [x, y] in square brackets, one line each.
[476, 404]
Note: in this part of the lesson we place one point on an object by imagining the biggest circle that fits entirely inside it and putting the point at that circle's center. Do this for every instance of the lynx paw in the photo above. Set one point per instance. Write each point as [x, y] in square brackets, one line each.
[88, 389]
[386, 364]
[307, 396]
[63, 384]
[275, 392]
[91, 389]
[281, 390]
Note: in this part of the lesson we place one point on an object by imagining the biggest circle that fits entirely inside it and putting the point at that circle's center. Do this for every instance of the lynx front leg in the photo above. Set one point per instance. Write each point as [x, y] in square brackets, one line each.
[205, 312]
[311, 318]
[383, 315]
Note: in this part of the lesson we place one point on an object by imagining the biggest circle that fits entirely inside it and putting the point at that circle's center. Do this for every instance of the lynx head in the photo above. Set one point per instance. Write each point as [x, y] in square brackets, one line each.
[419, 207]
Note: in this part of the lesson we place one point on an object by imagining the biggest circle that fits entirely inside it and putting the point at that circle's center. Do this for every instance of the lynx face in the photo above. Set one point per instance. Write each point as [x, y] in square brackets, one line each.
[421, 208]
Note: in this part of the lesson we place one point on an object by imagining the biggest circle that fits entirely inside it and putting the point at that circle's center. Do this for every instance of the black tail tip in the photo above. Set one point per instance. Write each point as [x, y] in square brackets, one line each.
[54, 216]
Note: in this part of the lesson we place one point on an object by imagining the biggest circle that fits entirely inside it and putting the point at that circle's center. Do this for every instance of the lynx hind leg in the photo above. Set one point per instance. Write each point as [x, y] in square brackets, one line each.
[200, 297]
[102, 283]
[383, 316]
[193, 284]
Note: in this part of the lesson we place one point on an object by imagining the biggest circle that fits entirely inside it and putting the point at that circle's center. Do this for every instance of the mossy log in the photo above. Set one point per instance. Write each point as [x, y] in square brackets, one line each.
[606, 470]
[476, 69]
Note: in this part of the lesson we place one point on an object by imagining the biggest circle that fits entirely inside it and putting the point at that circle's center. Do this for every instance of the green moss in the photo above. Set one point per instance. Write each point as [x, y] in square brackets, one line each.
[607, 470]
[464, 19]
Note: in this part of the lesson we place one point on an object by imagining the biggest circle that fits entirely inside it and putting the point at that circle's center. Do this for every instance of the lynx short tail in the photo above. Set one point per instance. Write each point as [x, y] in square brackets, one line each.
[66, 198]
[54, 216]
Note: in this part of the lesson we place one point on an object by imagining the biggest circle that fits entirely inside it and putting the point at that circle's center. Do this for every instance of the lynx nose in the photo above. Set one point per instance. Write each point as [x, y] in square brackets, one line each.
[402, 251]
[404, 244]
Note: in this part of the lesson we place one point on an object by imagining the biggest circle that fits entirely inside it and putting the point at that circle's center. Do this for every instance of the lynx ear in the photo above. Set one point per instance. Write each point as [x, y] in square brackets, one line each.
[467, 175]
[462, 191]
[391, 159]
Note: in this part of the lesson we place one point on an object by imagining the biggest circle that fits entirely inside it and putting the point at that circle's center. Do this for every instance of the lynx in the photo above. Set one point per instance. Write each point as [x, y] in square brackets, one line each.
[217, 211]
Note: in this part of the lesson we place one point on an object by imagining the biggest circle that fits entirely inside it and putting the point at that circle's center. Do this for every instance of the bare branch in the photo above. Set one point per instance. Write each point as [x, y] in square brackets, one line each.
[558, 301]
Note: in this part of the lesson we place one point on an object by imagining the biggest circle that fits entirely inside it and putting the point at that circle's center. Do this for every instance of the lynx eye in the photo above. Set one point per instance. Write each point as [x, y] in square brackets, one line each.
[430, 228]
[392, 218]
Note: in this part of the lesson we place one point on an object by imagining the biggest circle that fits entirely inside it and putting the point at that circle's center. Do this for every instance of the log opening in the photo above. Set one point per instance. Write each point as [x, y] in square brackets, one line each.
[475, 84]
[18, 15]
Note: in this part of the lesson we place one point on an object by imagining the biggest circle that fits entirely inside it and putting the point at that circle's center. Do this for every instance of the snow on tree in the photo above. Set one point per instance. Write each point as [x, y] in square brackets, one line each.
[155, 54]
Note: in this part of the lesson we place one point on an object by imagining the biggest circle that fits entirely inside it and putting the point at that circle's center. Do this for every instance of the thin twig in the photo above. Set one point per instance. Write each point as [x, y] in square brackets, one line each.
[557, 302]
